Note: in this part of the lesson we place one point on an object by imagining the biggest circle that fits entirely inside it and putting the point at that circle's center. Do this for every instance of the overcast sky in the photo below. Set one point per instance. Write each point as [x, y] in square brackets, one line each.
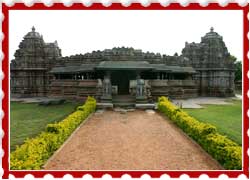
[161, 31]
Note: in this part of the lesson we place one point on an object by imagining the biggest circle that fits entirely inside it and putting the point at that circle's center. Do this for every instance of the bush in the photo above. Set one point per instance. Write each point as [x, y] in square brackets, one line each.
[224, 150]
[35, 152]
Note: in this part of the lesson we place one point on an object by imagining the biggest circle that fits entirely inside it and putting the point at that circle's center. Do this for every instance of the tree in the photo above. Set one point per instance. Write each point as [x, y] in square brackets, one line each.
[238, 68]
[238, 71]
[233, 58]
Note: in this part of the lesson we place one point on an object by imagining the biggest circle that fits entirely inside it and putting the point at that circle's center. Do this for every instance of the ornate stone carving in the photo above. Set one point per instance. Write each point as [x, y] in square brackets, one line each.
[140, 92]
[107, 87]
[30, 68]
[210, 58]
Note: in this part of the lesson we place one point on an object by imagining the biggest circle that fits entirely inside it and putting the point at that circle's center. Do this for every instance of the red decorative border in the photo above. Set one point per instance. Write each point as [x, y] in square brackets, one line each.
[118, 6]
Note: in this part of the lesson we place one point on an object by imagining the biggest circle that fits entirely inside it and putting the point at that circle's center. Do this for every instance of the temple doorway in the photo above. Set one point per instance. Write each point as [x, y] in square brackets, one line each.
[121, 79]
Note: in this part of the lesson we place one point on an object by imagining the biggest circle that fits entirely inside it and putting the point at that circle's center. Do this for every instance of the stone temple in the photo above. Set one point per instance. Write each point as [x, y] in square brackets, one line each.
[203, 69]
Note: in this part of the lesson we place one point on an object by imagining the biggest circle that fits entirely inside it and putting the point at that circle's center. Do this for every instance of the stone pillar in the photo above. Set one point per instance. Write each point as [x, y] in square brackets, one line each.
[189, 77]
[170, 76]
[158, 75]
[140, 89]
[107, 88]
[99, 88]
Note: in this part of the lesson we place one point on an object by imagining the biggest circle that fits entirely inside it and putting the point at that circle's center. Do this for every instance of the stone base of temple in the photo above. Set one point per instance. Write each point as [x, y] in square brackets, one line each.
[145, 106]
[106, 99]
[218, 92]
[141, 100]
[174, 89]
[126, 106]
[27, 95]
[104, 106]
[124, 101]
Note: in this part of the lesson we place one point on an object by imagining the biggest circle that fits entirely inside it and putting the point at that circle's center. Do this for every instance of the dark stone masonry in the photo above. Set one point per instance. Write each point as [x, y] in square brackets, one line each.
[203, 69]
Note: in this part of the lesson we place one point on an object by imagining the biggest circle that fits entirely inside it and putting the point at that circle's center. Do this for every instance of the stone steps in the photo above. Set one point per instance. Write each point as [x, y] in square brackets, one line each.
[124, 101]
[124, 105]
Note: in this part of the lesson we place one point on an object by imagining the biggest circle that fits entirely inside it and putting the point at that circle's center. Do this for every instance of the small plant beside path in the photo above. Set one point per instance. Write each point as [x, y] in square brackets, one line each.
[35, 152]
[226, 118]
[27, 120]
[224, 150]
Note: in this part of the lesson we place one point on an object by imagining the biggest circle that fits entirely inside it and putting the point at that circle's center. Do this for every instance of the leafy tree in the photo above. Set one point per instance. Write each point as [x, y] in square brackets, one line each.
[238, 72]
[238, 68]
[233, 58]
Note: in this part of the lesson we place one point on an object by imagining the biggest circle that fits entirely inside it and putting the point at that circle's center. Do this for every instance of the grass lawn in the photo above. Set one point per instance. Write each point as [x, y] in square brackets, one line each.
[227, 118]
[28, 120]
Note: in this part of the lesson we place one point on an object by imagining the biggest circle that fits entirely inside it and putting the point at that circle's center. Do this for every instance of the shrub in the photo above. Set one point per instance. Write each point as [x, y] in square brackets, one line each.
[35, 152]
[224, 150]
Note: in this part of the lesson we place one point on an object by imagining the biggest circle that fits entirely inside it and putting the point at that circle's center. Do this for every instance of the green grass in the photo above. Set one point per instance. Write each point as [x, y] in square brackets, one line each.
[28, 120]
[227, 118]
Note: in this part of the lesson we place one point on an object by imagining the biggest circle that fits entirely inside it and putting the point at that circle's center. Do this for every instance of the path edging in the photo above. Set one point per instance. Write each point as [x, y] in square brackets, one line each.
[65, 142]
[190, 139]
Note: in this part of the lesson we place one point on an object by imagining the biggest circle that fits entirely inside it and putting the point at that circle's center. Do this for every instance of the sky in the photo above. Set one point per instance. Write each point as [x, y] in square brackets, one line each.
[158, 31]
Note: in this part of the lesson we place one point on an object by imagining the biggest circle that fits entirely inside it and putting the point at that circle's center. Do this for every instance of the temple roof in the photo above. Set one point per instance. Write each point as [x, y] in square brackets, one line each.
[172, 69]
[124, 65]
[33, 34]
[163, 67]
[212, 35]
[73, 69]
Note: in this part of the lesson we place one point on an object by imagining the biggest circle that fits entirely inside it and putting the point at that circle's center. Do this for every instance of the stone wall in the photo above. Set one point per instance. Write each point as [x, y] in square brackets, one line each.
[176, 89]
[29, 83]
[74, 89]
[80, 89]
[218, 83]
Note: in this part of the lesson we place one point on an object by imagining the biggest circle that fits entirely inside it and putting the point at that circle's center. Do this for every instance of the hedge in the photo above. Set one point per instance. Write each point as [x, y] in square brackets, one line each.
[36, 151]
[224, 150]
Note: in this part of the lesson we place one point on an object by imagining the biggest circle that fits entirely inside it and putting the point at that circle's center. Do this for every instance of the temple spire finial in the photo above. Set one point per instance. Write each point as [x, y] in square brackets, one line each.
[33, 29]
[211, 29]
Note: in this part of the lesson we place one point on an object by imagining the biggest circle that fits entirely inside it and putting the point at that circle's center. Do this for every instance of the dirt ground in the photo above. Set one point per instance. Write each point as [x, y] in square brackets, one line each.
[137, 140]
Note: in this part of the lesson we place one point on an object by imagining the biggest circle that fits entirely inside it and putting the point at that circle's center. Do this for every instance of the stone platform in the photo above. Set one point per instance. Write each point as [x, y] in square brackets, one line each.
[196, 103]
[104, 106]
[145, 106]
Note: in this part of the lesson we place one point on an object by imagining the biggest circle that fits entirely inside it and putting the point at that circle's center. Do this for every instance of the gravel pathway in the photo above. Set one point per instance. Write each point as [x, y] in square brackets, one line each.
[137, 140]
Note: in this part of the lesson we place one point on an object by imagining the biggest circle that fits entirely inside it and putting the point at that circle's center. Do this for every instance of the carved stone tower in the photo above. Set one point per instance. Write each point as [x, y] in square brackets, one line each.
[29, 69]
[211, 59]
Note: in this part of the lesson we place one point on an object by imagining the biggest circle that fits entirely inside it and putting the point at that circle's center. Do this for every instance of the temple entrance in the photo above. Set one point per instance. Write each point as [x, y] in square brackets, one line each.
[121, 80]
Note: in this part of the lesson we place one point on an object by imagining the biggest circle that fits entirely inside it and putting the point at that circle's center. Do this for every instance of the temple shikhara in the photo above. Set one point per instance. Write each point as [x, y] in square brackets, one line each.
[203, 69]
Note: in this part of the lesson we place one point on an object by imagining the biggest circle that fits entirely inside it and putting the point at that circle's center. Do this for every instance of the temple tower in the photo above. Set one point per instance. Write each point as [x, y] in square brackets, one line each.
[33, 60]
[215, 67]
